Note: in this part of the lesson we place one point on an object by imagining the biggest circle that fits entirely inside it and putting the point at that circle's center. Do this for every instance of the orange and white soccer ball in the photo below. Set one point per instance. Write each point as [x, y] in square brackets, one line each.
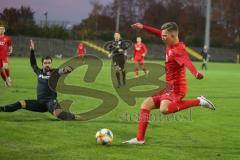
[104, 136]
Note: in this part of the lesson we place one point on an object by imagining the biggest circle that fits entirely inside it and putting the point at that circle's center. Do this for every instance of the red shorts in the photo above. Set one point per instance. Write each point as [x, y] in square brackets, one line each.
[170, 95]
[141, 61]
[5, 60]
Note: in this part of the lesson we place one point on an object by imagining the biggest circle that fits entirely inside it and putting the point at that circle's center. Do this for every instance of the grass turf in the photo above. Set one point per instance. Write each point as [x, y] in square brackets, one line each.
[191, 134]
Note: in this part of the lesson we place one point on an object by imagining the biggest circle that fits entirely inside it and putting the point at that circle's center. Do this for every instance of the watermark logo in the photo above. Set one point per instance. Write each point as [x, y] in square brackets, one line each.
[109, 100]
[157, 117]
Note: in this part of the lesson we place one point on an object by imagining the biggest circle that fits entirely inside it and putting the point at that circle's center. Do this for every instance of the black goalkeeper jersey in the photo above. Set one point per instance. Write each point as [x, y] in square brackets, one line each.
[117, 48]
[44, 93]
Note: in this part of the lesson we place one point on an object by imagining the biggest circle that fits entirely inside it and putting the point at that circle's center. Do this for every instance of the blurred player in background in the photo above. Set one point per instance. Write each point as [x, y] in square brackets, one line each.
[119, 53]
[140, 51]
[5, 50]
[46, 98]
[81, 51]
[206, 57]
[171, 100]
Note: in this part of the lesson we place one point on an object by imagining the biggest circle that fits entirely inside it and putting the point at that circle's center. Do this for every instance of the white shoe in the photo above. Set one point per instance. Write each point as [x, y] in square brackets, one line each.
[8, 82]
[134, 141]
[204, 102]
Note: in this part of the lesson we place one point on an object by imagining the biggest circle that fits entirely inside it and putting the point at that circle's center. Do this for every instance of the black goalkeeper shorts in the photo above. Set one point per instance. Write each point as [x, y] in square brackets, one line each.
[42, 106]
[119, 61]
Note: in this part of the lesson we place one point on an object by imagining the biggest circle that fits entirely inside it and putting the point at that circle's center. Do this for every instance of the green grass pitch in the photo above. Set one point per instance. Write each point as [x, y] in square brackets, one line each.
[191, 134]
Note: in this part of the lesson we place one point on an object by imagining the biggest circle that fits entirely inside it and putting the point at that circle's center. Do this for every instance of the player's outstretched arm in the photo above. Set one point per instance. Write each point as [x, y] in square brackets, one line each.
[182, 58]
[137, 26]
[149, 29]
[33, 61]
[193, 70]
[32, 55]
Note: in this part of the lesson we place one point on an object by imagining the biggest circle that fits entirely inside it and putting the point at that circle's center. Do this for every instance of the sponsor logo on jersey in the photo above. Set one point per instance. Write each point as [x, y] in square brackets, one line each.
[43, 76]
[2, 43]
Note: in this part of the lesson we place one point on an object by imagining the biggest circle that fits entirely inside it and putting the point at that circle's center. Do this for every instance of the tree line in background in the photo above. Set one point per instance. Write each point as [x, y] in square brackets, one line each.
[100, 24]
[21, 22]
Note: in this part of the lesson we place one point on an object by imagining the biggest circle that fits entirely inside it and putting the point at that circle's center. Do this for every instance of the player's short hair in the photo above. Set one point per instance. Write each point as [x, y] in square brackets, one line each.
[117, 33]
[46, 57]
[170, 26]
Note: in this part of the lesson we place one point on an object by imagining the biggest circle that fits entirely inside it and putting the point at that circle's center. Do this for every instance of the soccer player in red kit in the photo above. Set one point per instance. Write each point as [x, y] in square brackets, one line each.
[5, 50]
[140, 51]
[81, 51]
[171, 100]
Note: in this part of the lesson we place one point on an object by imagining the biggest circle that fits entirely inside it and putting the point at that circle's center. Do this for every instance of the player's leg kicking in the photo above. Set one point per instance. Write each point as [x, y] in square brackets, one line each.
[176, 62]
[167, 103]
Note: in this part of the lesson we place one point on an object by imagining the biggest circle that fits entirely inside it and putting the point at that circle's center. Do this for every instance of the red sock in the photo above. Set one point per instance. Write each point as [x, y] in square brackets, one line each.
[181, 105]
[7, 71]
[143, 123]
[136, 71]
[4, 76]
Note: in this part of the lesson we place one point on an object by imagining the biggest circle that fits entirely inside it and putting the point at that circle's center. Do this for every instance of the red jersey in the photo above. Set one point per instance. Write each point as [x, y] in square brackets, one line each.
[139, 50]
[81, 49]
[5, 42]
[177, 60]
